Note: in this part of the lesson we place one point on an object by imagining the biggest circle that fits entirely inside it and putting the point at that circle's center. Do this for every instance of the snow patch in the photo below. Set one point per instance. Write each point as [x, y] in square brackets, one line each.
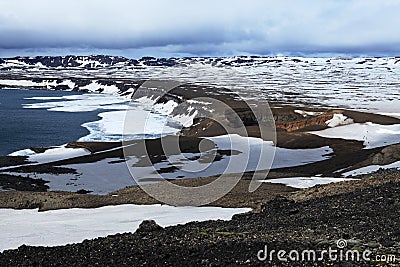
[22, 153]
[165, 108]
[186, 120]
[373, 135]
[308, 113]
[66, 226]
[371, 168]
[51, 154]
[305, 182]
[338, 120]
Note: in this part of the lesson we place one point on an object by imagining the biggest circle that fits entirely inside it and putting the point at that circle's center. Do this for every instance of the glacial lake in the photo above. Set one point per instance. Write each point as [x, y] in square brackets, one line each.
[21, 128]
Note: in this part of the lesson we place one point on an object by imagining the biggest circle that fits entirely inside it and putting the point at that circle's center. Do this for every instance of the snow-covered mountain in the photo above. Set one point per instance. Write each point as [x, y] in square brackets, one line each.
[85, 62]
[361, 83]
[105, 61]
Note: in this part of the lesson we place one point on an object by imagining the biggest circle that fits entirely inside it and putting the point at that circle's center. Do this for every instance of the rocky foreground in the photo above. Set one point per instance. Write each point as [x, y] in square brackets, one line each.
[364, 213]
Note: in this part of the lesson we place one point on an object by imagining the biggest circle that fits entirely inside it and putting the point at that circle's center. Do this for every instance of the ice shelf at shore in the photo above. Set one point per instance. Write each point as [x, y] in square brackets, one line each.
[144, 119]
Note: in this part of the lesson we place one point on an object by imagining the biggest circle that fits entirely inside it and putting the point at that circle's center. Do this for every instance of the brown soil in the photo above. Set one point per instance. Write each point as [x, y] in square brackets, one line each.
[238, 197]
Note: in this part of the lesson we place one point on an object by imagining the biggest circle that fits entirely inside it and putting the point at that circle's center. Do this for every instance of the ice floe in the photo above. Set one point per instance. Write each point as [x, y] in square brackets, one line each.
[80, 103]
[113, 127]
[49, 84]
[145, 119]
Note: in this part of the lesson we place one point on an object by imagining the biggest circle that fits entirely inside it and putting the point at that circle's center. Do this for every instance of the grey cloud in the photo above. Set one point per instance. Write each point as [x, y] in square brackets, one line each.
[200, 27]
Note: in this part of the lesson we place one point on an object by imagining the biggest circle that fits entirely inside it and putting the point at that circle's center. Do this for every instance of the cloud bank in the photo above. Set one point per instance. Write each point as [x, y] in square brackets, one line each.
[178, 27]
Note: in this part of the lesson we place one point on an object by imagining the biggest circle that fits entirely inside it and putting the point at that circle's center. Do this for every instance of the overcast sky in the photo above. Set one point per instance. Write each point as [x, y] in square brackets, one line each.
[201, 28]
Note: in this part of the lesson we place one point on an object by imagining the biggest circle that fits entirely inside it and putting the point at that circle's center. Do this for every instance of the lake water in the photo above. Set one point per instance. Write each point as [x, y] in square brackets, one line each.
[21, 128]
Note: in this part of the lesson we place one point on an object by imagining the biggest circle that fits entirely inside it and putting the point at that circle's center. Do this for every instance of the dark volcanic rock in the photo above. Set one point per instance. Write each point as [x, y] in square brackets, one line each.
[44, 168]
[62, 87]
[148, 226]
[12, 182]
[152, 61]
[6, 161]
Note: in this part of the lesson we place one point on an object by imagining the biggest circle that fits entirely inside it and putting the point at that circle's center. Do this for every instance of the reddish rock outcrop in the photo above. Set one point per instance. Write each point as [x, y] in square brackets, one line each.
[295, 125]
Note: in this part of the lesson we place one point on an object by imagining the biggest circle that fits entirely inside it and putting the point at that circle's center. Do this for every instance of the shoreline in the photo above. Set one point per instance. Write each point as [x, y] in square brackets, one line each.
[348, 154]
